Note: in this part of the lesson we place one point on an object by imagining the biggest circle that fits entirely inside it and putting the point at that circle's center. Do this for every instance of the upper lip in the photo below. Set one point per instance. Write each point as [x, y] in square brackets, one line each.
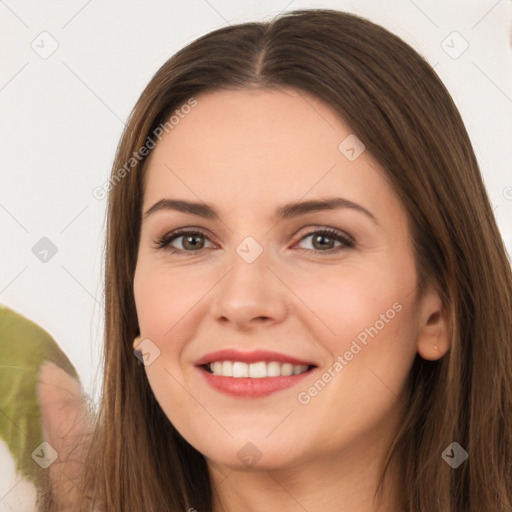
[253, 356]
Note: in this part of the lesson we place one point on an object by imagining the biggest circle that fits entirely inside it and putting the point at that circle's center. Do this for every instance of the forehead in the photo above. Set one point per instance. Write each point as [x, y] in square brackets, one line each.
[256, 147]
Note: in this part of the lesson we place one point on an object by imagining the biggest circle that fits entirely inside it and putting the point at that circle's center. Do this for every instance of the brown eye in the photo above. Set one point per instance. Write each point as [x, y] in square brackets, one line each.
[191, 241]
[324, 241]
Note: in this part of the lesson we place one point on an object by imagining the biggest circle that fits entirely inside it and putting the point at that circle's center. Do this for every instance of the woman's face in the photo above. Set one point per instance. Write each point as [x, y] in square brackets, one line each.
[259, 278]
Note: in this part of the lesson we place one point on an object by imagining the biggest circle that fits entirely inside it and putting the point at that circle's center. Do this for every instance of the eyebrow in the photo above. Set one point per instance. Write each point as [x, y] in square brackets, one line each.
[286, 211]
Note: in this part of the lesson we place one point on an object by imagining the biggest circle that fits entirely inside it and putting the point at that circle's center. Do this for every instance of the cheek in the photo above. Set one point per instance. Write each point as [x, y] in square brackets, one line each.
[355, 302]
[165, 300]
[164, 297]
[368, 327]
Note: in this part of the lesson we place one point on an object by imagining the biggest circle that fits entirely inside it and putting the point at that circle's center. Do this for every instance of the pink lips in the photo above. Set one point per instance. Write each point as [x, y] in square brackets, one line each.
[247, 387]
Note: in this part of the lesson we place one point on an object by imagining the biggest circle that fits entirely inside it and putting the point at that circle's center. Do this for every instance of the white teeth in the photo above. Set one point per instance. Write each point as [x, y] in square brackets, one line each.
[227, 369]
[240, 369]
[258, 370]
[273, 369]
[287, 369]
[216, 367]
[298, 369]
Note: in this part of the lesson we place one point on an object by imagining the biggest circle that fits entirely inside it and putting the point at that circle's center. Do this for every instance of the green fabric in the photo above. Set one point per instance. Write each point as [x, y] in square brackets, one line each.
[24, 346]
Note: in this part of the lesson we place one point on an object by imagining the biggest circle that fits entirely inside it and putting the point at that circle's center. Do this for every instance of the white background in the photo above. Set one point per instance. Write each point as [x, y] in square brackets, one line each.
[61, 119]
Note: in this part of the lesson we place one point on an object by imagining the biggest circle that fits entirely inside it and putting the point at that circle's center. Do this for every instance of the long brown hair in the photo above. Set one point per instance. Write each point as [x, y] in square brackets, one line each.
[398, 107]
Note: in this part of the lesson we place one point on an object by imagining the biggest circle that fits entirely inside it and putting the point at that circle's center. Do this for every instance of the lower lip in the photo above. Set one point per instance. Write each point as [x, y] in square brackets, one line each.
[246, 387]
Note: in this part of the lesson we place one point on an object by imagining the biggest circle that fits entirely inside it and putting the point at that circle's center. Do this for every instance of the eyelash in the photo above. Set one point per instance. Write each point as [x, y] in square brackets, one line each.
[163, 243]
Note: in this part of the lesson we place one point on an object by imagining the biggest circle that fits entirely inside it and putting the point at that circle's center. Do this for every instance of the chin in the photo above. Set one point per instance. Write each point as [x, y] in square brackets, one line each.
[252, 455]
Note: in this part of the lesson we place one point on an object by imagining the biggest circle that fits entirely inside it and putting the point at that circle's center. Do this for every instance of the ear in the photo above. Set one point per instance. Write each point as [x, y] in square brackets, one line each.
[434, 326]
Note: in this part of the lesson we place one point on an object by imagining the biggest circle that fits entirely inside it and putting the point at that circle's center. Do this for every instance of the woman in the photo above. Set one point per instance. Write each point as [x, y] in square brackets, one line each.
[369, 374]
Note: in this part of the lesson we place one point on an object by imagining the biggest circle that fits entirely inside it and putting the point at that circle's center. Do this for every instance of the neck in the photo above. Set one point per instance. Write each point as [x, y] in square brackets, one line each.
[343, 481]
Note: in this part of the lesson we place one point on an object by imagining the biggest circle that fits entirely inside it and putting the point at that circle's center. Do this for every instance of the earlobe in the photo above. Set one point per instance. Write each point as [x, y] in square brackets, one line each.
[434, 330]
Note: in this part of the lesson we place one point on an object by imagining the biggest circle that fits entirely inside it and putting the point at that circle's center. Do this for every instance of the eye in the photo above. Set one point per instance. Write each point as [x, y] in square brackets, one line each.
[323, 240]
[194, 241]
[191, 241]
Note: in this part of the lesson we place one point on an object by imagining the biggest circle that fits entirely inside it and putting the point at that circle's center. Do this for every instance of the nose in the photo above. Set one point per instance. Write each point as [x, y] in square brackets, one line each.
[250, 294]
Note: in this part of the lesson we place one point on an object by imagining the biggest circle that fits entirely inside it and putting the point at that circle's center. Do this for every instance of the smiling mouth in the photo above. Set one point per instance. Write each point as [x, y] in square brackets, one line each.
[257, 370]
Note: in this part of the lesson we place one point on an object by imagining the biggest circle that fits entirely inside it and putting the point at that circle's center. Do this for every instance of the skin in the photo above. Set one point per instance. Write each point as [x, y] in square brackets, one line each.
[247, 153]
[66, 422]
